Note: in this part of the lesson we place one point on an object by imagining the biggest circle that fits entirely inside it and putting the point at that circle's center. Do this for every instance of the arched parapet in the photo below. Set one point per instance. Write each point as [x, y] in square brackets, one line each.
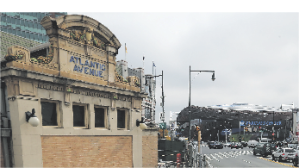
[82, 29]
[85, 50]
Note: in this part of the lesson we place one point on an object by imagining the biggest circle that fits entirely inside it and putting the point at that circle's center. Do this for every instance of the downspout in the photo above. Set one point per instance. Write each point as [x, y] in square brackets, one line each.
[5, 130]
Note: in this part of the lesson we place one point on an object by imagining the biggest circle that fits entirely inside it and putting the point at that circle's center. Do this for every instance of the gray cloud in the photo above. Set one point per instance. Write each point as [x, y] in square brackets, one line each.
[255, 55]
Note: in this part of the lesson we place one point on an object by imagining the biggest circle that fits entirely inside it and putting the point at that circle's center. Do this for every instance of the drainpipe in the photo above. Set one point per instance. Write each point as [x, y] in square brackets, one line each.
[5, 130]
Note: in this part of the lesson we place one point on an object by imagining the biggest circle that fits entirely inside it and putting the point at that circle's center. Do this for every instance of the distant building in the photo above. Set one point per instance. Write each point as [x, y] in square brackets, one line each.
[8, 40]
[23, 29]
[149, 103]
[173, 119]
[27, 24]
[147, 85]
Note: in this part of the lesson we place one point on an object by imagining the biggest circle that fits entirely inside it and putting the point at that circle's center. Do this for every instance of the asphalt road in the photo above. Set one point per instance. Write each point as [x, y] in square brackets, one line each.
[228, 157]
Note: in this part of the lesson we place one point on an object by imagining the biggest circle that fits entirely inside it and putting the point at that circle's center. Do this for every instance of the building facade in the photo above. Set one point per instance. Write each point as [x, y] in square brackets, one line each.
[87, 115]
[147, 85]
[149, 103]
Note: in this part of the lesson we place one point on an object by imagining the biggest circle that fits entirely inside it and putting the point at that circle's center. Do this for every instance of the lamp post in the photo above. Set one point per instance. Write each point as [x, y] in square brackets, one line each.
[163, 106]
[273, 128]
[163, 112]
[189, 105]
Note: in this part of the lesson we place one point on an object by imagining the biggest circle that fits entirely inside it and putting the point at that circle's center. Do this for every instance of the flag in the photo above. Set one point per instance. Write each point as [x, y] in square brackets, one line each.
[126, 48]
[154, 64]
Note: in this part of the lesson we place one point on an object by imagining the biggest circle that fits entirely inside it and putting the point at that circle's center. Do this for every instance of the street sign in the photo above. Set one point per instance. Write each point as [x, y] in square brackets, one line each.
[162, 125]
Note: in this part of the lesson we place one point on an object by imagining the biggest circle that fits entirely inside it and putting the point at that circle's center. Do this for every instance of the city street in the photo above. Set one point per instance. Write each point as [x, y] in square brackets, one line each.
[228, 157]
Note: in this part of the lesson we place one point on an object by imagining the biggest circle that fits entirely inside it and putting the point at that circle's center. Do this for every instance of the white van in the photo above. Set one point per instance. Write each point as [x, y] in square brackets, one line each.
[252, 143]
[265, 140]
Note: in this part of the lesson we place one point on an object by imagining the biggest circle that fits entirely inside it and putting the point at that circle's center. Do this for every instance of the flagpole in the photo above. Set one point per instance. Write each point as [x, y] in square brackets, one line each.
[153, 67]
[125, 52]
[143, 61]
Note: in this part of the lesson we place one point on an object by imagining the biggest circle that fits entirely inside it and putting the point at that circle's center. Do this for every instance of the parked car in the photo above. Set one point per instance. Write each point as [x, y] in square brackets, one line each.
[282, 154]
[244, 143]
[293, 157]
[295, 160]
[209, 142]
[252, 143]
[294, 146]
[216, 145]
[228, 144]
[236, 145]
[264, 149]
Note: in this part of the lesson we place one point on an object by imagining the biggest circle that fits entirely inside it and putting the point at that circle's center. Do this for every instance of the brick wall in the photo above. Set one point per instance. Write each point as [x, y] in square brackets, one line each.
[149, 151]
[87, 151]
[1, 155]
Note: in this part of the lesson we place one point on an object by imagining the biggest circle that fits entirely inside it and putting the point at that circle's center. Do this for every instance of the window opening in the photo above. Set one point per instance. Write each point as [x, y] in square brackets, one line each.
[99, 117]
[49, 114]
[121, 119]
[78, 116]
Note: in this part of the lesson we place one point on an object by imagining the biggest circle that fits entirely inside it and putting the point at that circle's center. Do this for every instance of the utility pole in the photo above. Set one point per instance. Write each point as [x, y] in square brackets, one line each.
[225, 136]
[273, 128]
[163, 106]
[162, 117]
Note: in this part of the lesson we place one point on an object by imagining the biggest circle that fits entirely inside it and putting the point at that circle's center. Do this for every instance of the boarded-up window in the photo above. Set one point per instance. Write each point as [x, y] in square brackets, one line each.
[121, 119]
[49, 114]
[78, 116]
[99, 117]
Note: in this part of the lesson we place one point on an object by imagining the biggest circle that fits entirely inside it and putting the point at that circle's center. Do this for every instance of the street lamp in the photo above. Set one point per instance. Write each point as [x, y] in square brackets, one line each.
[213, 78]
[163, 118]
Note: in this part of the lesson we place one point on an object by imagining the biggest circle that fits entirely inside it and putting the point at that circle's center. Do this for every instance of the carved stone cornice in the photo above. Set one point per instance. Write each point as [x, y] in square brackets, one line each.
[7, 73]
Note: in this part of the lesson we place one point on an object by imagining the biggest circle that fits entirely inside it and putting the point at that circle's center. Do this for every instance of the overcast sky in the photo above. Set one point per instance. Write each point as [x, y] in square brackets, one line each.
[255, 55]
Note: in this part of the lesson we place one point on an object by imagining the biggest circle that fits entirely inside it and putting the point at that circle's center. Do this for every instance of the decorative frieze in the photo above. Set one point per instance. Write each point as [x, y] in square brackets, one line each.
[49, 86]
[85, 92]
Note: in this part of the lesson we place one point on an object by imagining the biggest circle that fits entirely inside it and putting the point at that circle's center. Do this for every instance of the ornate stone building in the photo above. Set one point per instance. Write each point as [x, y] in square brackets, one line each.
[87, 112]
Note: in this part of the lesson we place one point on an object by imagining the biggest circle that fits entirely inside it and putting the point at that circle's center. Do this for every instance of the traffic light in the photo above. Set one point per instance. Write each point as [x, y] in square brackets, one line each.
[199, 136]
[199, 139]
[197, 128]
